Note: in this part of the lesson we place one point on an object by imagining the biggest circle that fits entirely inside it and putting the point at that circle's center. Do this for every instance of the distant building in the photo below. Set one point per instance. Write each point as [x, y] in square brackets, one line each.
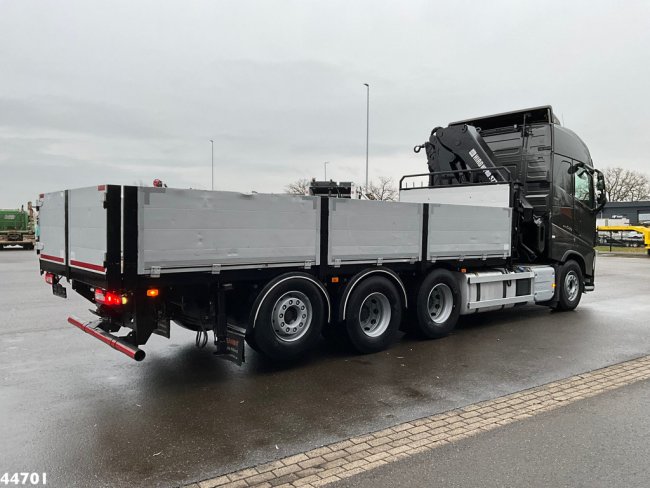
[637, 212]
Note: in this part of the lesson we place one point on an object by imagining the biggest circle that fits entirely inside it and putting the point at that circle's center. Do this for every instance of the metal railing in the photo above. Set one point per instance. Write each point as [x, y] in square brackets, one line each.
[461, 177]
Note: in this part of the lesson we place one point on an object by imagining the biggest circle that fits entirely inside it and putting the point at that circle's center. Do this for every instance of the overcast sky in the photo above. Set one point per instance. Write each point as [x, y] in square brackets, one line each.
[124, 92]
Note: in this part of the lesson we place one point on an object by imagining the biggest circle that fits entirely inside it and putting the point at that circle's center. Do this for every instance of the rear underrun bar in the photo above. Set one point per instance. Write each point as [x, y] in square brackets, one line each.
[115, 342]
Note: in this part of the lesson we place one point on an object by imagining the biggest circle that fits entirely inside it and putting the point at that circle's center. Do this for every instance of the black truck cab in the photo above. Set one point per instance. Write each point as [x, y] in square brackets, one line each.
[558, 189]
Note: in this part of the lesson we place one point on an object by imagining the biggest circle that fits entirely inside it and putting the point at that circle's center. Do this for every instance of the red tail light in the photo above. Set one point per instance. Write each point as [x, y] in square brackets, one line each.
[108, 298]
[49, 278]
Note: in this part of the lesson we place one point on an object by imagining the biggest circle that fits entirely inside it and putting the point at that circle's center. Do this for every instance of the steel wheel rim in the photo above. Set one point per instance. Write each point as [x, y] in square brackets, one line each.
[375, 314]
[291, 316]
[440, 303]
[571, 285]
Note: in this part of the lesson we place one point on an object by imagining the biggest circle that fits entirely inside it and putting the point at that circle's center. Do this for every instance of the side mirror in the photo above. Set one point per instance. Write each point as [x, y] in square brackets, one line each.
[601, 191]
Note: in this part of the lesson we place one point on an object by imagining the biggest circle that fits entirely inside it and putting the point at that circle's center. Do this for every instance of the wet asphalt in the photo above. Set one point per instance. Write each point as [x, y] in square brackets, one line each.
[89, 416]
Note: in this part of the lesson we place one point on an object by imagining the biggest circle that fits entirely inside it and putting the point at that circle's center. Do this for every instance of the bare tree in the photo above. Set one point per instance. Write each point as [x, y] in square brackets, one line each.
[625, 185]
[298, 187]
[384, 189]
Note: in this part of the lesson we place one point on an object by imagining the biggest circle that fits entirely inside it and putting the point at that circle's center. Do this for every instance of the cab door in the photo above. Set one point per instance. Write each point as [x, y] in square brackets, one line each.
[562, 221]
[584, 203]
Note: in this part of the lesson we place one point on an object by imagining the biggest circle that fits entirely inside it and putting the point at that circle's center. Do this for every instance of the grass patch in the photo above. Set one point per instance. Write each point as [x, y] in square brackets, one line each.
[631, 250]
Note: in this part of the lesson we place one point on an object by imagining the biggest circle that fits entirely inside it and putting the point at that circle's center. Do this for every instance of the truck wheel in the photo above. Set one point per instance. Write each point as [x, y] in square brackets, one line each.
[437, 307]
[289, 319]
[373, 315]
[571, 285]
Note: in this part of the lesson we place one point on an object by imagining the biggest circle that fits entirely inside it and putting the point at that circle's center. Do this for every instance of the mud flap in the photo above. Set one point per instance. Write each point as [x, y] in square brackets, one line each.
[59, 290]
[234, 345]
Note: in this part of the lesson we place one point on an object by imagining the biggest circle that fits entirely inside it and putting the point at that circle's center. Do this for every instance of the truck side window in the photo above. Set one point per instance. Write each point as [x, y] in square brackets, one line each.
[584, 187]
[563, 183]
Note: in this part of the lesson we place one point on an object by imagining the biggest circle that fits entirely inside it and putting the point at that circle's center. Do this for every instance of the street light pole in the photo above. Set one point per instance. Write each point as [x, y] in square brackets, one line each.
[325, 166]
[212, 147]
[367, 128]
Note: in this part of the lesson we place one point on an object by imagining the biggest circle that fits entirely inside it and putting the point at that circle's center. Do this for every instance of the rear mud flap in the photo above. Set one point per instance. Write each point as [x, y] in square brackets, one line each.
[235, 339]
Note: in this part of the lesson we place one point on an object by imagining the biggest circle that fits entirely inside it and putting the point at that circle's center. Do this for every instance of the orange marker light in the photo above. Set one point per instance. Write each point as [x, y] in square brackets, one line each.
[463, 270]
[152, 292]
[335, 279]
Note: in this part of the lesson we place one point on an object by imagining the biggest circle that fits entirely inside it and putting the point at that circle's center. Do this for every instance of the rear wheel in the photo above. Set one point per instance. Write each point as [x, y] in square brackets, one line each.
[437, 304]
[373, 315]
[571, 285]
[289, 319]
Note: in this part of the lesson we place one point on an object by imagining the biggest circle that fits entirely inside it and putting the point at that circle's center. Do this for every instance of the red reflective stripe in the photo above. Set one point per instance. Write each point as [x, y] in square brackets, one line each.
[123, 349]
[76, 322]
[81, 264]
[107, 340]
[101, 187]
[47, 257]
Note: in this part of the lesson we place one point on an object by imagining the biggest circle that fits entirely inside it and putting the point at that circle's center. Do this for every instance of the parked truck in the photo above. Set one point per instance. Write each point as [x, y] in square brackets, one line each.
[504, 216]
[17, 227]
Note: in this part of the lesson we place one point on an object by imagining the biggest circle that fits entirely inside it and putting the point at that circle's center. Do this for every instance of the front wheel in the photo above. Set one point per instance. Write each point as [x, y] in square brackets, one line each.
[373, 315]
[571, 285]
[289, 319]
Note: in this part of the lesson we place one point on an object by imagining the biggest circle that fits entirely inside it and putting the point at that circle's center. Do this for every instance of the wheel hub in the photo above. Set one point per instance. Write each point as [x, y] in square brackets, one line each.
[440, 303]
[375, 314]
[571, 285]
[291, 316]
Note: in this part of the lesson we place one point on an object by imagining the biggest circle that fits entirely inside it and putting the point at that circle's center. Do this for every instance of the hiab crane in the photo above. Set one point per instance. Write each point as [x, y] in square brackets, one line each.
[504, 217]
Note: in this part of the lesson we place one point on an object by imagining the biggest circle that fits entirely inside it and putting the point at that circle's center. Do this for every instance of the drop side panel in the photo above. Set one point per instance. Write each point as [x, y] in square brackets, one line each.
[464, 231]
[87, 229]
[186, 230]
[51, 223]
[368, 231]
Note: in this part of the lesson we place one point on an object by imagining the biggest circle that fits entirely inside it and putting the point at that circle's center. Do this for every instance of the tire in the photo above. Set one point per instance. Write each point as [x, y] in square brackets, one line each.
[289, 319]
[571, 284]
[373, 315]
[437, 306]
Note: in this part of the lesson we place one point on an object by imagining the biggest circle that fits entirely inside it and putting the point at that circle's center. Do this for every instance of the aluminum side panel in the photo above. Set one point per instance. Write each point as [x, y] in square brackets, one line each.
[464, 231]
[199, 229]
[87, 229]
[476, 195]
[51, 226]
[362, 230]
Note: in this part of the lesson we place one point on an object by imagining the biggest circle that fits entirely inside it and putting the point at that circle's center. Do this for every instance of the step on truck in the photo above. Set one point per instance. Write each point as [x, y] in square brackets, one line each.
[504, 216]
